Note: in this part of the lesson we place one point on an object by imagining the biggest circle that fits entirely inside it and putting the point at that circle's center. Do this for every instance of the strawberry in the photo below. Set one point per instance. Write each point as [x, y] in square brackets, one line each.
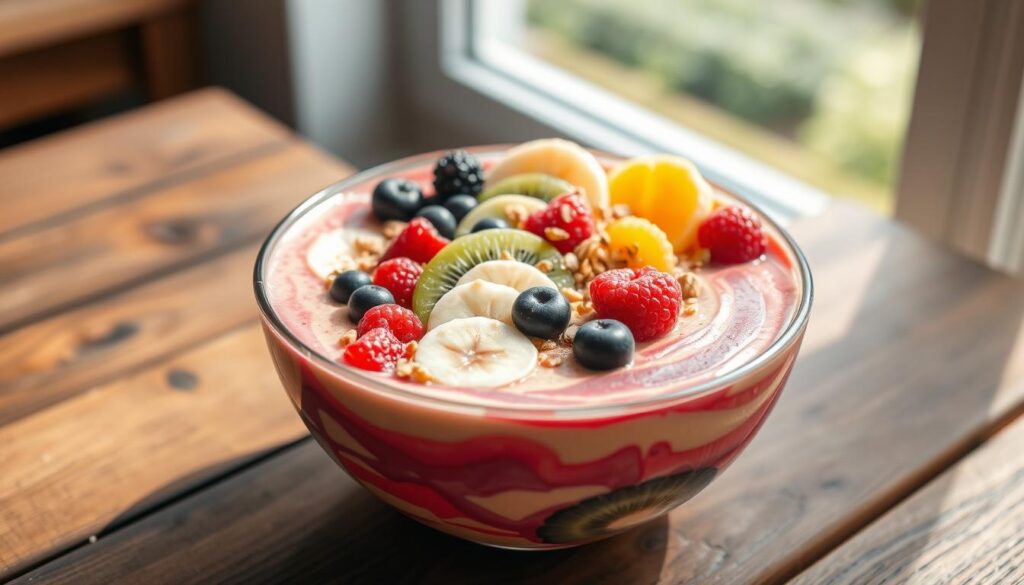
[376, 351]
[419, 241]
[565, 222]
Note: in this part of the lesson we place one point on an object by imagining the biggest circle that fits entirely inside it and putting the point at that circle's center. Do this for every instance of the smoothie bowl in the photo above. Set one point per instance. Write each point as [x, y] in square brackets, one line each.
[534, 346]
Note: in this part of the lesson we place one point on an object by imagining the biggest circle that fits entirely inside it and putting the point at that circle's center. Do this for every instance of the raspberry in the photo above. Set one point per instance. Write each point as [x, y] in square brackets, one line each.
[733, 235]
[398, 275]
[378, 350]
[646, 300]
[401, 322]
[566, 215]
[419, 241]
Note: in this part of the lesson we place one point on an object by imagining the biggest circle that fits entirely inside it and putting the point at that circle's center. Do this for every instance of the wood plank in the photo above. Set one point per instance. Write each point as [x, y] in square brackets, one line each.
[50, 360]
[100, 252]
[104, 456]
[56, 78]
[912, 352]
[964, 527]
[31, 23]
[148, 148]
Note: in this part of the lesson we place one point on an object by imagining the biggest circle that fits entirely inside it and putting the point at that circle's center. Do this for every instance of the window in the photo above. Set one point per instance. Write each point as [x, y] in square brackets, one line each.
[908, 106]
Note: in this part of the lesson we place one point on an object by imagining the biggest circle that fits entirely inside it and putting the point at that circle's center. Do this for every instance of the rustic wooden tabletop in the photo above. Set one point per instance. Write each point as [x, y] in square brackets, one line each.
[144, 436]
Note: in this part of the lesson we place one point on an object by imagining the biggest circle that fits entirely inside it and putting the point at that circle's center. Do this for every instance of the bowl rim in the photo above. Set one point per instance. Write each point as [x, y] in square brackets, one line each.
[789, 336]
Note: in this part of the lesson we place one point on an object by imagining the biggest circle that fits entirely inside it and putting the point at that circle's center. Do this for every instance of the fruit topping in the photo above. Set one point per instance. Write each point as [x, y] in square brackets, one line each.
[476, 352]
[640, 243]
[365, 298]
[442, 219]
[342, 249]
[346, 283]
[377, 350]
[503, 207]
[419, 241]
[541, 311]
[460, 205]
[733, 235]
[606, 514]
[667, 190]
[565, 222]
[399, 276]
[401, 322]
[489, 223]
[559, 158]
[512, 273]
[539, 185]
[397, 199]
[645, 300]
[443, 272]
[458, 172]
[475, 299]
[604, 344]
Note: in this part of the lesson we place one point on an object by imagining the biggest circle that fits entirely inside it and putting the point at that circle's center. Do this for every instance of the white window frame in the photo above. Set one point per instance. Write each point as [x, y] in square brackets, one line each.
[962, 173]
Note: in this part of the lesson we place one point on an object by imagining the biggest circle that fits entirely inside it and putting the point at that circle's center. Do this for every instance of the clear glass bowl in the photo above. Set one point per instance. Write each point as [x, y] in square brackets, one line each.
[525, 477]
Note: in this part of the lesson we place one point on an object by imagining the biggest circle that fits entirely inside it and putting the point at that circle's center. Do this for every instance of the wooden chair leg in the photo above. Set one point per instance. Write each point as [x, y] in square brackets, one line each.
[170, 52]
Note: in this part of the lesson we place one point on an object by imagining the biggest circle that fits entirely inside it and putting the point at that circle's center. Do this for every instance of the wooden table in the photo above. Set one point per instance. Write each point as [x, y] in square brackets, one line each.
[144, 437]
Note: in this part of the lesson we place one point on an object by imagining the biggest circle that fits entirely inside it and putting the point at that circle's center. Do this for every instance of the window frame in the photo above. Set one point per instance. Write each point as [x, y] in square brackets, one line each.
[459, 89]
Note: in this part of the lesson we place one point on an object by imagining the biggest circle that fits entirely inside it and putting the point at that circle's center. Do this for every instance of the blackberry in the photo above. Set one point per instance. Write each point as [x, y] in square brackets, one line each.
[458, 172]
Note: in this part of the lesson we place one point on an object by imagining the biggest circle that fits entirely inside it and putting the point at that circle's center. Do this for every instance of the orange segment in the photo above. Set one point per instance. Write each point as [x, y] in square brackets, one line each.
[641, 243]
[667, 190]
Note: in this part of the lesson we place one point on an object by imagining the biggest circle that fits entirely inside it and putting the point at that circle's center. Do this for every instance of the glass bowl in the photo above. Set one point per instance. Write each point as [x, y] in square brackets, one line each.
[525, 477]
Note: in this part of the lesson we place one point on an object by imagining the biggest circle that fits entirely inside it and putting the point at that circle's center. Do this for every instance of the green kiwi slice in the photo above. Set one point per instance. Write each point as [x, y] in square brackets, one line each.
[539, 185]
[495, 207]
[440, 274]
[595, 517]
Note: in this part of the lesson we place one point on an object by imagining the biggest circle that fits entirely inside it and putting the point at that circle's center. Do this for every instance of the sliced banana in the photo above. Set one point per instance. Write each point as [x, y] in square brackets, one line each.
[476, 352]
[474, 299]
[335, 250]
[513, 273]
[558, 158]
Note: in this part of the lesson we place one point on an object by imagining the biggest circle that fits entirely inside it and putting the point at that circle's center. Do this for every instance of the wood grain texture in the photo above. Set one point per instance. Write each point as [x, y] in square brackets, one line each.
[170, 50]
[56, 78]
[99, 458]
[100, 252]
[27, 24]
[50, 360]
[129, 155]
[965, 527]
[912, 357]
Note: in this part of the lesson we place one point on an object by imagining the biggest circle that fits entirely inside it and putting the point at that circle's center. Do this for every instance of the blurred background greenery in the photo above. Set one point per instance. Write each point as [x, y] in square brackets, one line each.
[818, 88]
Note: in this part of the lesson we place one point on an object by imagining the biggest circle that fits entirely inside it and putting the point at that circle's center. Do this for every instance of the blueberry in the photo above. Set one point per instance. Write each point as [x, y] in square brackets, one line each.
[490, 223]
[346, 283]
[396, 199]
[460, 205]
[603, 344]
[541, 312]
[365, 298]
[442, 219]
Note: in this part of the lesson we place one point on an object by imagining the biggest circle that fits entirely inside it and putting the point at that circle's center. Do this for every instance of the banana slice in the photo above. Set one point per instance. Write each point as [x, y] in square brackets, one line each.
[476, 352]
[474, 299]
[335, 250]
[558, 158]
[513, 273]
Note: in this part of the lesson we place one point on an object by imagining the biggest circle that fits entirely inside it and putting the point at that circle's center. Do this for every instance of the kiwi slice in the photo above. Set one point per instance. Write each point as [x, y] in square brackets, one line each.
[539, 185]
[495, 207]
[447, 267]
[595, 517]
